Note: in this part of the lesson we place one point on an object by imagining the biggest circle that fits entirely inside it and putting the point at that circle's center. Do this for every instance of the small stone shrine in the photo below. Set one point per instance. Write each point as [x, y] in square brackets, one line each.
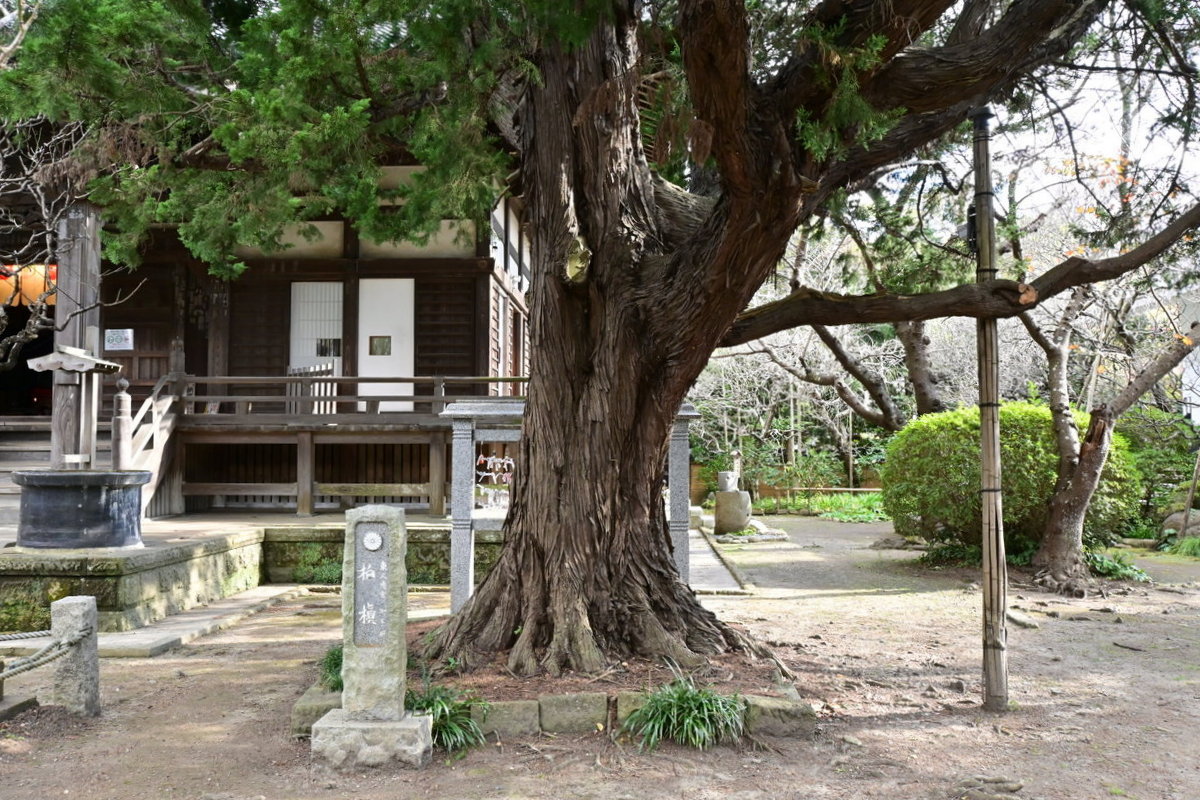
[372, 728]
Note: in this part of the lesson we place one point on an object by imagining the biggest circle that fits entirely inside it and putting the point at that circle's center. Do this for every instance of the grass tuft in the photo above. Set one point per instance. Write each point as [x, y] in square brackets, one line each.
[1187, 546]
[331, 669]
[454, 729]
[687, 715]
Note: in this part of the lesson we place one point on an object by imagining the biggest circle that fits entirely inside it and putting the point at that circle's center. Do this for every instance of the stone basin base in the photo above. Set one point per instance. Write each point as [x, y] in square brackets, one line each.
[80, 508]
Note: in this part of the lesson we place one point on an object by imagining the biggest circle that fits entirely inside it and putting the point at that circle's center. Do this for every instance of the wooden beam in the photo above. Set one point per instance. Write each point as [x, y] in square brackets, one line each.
[374, 489]
[200, 489]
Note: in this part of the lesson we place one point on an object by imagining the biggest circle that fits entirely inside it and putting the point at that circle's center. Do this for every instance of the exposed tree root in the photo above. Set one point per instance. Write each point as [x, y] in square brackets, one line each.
[1074, 581]
[572, 635]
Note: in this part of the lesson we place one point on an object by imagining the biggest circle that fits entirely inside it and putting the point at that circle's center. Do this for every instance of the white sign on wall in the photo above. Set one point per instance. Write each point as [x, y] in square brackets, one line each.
[118, 339]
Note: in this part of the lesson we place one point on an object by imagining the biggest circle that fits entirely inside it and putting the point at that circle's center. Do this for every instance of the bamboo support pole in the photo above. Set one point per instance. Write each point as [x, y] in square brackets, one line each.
[995, 575]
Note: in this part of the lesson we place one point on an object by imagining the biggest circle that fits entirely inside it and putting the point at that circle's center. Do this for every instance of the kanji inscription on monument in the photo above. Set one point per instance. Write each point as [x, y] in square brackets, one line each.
[370, 583]
[372, 727]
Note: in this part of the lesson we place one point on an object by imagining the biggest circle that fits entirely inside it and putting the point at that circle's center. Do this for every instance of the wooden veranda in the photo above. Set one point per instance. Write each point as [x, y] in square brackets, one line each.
[302, 441]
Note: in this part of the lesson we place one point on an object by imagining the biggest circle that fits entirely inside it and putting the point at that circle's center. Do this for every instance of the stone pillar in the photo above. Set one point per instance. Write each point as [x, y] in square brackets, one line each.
[462, 503]
[372, 728]
[76, 684]
[678, 462]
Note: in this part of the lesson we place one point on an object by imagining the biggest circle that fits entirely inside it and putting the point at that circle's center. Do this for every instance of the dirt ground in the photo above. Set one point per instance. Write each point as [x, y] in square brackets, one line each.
[1104, 694]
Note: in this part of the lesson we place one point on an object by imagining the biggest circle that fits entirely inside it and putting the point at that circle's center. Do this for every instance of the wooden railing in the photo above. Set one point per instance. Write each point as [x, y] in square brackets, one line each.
[308, 410]
[332, 395]
[143, 441]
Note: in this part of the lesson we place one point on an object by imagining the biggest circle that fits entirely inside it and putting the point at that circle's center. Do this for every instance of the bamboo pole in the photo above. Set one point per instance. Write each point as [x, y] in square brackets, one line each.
[995, 576]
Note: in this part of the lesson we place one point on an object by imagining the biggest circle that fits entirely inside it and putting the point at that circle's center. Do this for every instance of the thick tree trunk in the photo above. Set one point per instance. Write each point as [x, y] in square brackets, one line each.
[1059, 560]
[622, 321]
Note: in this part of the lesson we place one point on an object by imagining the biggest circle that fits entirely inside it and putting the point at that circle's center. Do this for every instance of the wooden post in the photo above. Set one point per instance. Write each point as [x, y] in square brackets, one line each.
[437, 473]
[218, 330]
[304, 473]
[77, 324]
[122, 428]
[995, 570]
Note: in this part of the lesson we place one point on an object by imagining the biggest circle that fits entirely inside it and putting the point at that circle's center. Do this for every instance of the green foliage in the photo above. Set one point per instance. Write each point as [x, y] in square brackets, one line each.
[1116, 566]
[952, 554]
[313, 566]
[1188, 546]
[1162, 446]
[840, 506]
[846, 507]
[1142, 528]
[848, 119]
[682, 713]
[330, 669]
[957, 554]
[238, 122]
[454, 729]
[931, 479]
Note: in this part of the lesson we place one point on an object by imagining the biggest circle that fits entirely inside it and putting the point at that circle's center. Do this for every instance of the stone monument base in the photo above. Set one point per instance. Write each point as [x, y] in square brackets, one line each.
[732, 512]
[346, 743]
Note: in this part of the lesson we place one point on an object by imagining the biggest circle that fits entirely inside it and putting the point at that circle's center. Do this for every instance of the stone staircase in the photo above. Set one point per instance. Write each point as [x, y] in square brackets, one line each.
[25, 444]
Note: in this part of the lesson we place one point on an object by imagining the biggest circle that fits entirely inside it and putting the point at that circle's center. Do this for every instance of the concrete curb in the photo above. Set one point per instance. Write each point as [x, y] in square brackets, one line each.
[588, 712]
[12, 706]
[177, 629]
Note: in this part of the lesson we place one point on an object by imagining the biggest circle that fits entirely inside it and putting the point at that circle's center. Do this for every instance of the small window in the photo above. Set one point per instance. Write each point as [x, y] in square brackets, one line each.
[329, 348]
[380, 346]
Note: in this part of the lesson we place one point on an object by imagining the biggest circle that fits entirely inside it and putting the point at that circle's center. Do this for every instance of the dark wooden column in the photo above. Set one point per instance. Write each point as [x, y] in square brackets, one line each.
[218, 327]
[77, 323]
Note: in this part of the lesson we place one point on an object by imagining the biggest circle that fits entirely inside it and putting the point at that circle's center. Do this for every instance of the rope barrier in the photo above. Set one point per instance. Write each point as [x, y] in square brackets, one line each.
[52, 651]
[12, 637]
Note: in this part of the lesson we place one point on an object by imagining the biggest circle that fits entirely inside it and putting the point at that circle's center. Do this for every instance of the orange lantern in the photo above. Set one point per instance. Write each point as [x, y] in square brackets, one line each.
[25, 284]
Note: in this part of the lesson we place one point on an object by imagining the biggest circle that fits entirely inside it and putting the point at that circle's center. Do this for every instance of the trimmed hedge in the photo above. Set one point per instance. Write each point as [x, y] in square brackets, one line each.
[931, 478]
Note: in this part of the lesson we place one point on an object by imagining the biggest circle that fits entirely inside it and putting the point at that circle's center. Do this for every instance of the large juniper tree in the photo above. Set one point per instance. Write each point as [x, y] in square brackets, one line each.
[230, 119]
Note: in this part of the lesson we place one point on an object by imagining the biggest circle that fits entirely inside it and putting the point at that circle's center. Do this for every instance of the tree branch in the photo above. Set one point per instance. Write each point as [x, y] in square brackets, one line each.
[998, 298]
[889, 416]
[857, 21]
[927, 80]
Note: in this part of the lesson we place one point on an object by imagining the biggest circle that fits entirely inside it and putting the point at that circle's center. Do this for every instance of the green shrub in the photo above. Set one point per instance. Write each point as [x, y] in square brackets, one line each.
[684, 714]
[931, 479]
[1115, 566]
[952, 554]
[453, 727]
[314, 566]
[1188, 546]
[1163, 449]
[331, 669]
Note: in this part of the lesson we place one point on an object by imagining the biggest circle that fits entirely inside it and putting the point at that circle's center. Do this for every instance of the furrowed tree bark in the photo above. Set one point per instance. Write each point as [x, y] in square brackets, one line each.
[619, 290]
[920, 371]
[1060, 557]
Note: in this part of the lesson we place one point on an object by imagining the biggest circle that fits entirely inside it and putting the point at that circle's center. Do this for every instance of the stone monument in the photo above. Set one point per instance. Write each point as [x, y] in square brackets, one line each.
[732, 509]
[372, 728]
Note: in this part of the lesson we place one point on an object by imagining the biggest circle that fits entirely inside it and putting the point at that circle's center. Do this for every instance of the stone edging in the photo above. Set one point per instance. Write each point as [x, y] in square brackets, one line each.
[585, 712]
[750, 538]
[729, 565]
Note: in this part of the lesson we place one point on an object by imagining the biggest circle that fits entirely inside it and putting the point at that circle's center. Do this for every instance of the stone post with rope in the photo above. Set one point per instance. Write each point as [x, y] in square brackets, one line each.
[76, 682]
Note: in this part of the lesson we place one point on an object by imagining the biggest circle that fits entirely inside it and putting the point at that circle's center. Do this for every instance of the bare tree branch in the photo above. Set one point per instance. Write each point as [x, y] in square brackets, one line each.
[998, 298]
